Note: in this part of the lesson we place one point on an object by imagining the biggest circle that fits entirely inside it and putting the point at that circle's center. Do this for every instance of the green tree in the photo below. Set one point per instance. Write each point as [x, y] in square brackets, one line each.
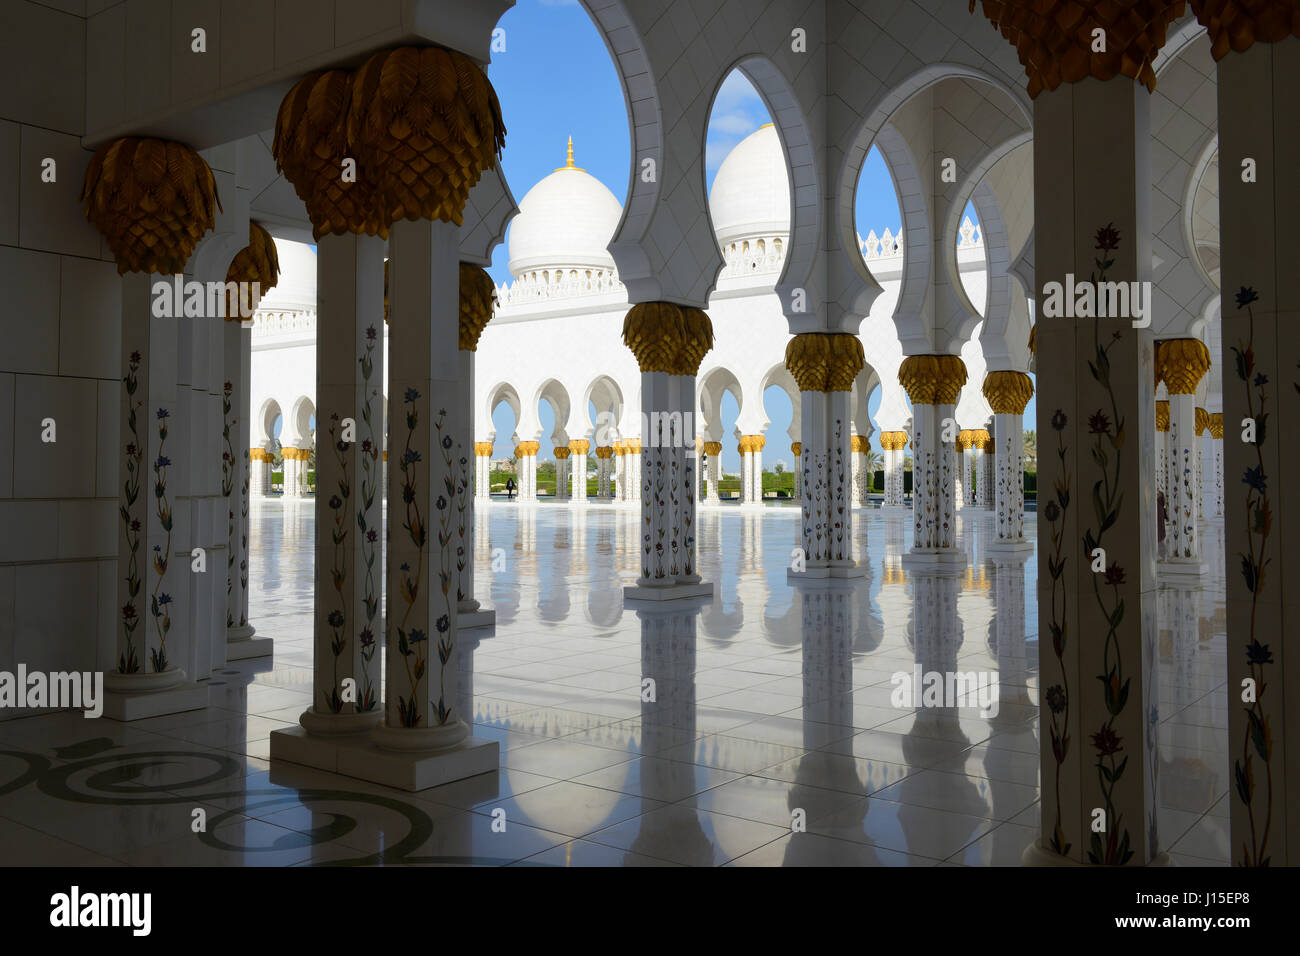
[1031, 450]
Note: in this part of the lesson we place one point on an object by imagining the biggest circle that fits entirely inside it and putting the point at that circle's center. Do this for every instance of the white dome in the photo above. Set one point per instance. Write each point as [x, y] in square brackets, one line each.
[751, 192]
[296, 288]
[566, 220]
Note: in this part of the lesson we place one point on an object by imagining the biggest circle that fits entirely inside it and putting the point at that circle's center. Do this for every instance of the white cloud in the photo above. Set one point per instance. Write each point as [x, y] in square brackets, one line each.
[736, 123]
[716, 150]
[737, 93]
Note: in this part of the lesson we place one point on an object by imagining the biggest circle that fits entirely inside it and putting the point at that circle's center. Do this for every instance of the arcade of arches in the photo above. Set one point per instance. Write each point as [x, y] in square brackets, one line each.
[385, 623]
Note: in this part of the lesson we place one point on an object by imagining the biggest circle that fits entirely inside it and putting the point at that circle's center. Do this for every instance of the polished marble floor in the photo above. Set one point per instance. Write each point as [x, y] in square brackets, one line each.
[771, 738]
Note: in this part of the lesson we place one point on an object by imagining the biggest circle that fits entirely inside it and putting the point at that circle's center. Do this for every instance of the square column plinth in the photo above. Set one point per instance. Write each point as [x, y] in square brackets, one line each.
[357, 755]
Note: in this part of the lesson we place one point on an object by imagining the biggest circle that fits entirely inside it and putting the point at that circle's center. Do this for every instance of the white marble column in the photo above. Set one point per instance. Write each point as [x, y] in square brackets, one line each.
[423, 721]
[658, 494]
[634, 470]
[796, 449]
[713, 464]
[1097, 649]
[237, 486]
[933, 383]
[578, 449]
[563, 487]
[469, 610]
[483, 470]
[1259, 98]
[1008, 392]
[1202, 421]
[894, 444]
[857, 468]
[527, 471]
[151, 619]
[669, 341]
[1216, 490]
[1181, 363]
[824, 366]
[260, 460]
[349, 378]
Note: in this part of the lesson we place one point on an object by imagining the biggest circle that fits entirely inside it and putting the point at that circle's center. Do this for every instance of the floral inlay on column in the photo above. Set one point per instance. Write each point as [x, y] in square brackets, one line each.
[1108, 504]
[338, 505]
[455, 484]
[128, 662]
[1258, 739]
[368, 699]
[411, 644]
[228, 486]
[1058, 695]
[161, 555]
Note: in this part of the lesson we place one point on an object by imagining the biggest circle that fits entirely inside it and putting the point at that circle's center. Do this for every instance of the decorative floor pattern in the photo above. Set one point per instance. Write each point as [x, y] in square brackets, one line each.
[772, 702]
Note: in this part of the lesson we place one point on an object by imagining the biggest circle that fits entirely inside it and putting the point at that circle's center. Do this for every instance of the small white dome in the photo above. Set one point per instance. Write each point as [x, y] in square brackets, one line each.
[567, 219]
[296, 288]
[751, 191]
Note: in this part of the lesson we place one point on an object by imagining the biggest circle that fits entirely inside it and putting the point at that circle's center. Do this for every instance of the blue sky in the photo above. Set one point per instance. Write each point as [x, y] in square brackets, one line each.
[556, 80]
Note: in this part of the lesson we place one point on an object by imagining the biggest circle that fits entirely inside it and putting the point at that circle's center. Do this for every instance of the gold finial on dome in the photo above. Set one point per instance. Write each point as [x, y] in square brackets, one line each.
[568, 164]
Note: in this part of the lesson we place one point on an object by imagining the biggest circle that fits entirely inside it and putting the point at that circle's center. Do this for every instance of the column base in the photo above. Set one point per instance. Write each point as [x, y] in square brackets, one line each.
[1037, 855]
[934, 557]
[138, 696]
[850, 569]
[241, 633]
[360, 757]
[895, 509]
[319, 724]
[482, 617]
[1181, 570]
[670, 592]
[1009, 547]
[242, 650]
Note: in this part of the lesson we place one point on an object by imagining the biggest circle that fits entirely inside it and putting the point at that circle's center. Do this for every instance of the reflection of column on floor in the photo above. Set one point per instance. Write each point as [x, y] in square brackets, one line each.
[1009, 648]
[936, 639]
[1258, 60]
[578, 469]
[822, 779]
[1008, 392]
[1216, 489]
[1181, 364]
[668, 715]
